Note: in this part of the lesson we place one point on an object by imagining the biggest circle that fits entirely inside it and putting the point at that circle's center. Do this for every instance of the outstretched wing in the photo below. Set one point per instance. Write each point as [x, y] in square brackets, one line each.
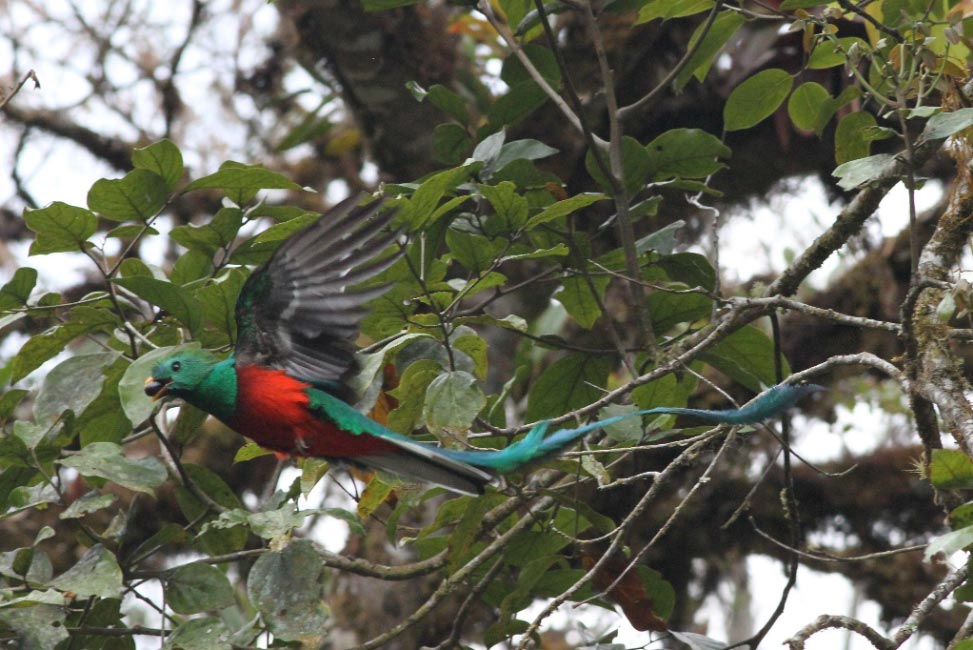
[299, 311]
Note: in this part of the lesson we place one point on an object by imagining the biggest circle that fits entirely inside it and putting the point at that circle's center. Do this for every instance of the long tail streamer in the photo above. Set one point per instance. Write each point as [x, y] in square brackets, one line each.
[537, 445]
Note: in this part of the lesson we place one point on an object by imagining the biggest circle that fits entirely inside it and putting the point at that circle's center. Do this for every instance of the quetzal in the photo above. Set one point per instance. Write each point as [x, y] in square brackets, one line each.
[286, 384]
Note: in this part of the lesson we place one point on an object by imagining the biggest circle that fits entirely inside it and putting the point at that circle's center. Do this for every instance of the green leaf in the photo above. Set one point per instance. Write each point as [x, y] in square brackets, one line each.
[249, 451]
[852, 137]
[747, 357]
[949, 543]
[527, 149]
[411, 394]
[810, 107]
[559, 250]
[16, 293]
[951, 469]
[72, 384]
[509, 207]
[671, 309]
[637, 164]
[383, 5]
[9, 401]
[724, 26]
[514, 10]
[467, 340]
[451, 144]
[60, 228]
[668, 390]
[692, 269]
[452, 403]
[686, 153]
[170, 298]
[698, 641]
[219, 233]
[274, 524]
[944, 125]
[216, 541]
[289, 589]
[427, 196]
[667, 9]
[577, 297]
[627, 431]
[828, 54]
[218, 299]
[521, 100]
[473, 251]
[564, 208]
[38, 627]
[206, 633]
[197, 587]
[756, 99]
[106, 460]
[569, 383]
[514, 72]
[241, 182]
[488, 149]
[464, 535]
[42, 347]
[449, 102]
[861, 171]
[192, 266]
[162, 158]
[91, 502]
[138, 195]
[96, 574]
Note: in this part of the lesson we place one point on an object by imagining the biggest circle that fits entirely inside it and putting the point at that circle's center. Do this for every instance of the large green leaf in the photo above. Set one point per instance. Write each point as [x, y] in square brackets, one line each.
[951, 469]
[637, 164]
[747, 357]
[162, 158]
[171, 298]
[205, 633]
[72, 384]
[15, 293]
[140, 194]
[42, 347]
[197, 587]
[564, 208]
[216, 541]
[411, 394]
[567, 384]
[810, 107]
[60, 228]
[724, 26]
[853, 136]
[756, 99]
[241, 182]
[452, 402]
[38, 627]
[96, 574]
[106, 460]
[578, 298]
[686, 153]
[219, 233]
[671, 309]
[862, 171]
[289, 589]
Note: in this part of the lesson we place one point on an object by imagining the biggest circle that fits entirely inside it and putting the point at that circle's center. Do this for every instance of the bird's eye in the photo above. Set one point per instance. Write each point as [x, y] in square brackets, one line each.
[176, 366]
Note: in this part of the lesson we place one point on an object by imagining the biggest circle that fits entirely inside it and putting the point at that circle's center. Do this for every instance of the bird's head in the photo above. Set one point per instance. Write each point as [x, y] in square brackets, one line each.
[179, 375]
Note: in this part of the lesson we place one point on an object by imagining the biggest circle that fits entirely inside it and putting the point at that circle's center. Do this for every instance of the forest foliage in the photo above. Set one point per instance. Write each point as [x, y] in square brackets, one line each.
[618, 316]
